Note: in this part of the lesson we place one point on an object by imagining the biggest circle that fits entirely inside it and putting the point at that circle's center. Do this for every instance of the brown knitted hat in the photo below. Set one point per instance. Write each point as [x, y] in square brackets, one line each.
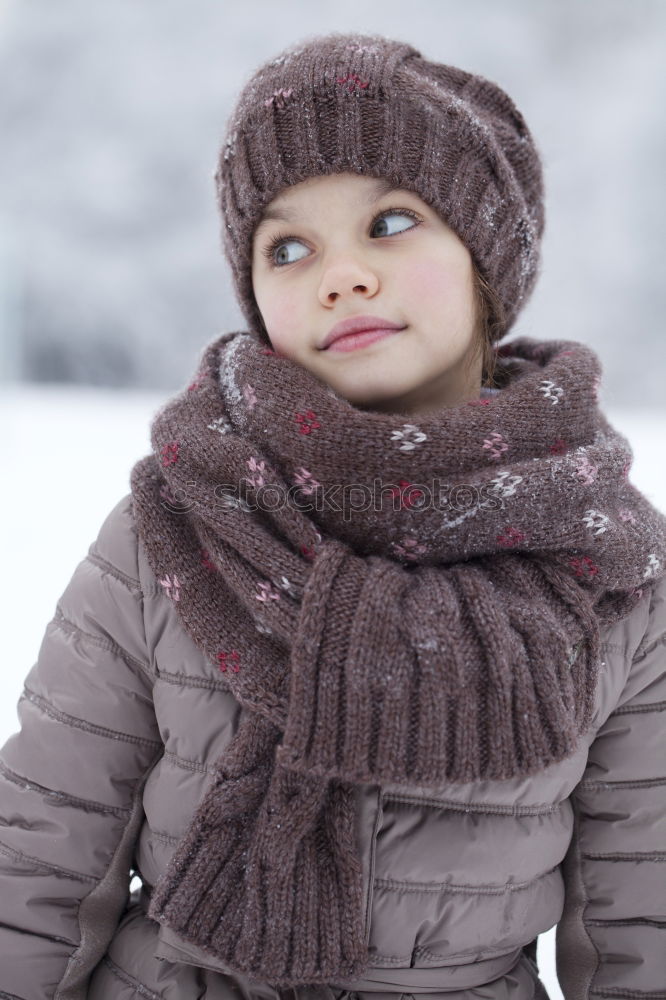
[370, 105]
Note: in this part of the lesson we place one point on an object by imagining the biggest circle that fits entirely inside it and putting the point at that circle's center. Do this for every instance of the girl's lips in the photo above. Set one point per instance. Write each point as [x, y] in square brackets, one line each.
[353, 341]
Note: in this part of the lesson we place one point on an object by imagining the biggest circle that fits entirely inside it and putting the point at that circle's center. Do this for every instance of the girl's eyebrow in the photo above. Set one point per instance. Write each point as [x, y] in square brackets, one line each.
[381, 187]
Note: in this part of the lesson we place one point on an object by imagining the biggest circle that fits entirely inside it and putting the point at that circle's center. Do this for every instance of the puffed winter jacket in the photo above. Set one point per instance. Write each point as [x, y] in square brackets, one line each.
[120, 721]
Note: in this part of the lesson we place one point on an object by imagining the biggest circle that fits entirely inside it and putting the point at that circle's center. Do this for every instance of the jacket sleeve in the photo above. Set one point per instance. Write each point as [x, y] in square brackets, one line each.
[71, 778]
[611, 940]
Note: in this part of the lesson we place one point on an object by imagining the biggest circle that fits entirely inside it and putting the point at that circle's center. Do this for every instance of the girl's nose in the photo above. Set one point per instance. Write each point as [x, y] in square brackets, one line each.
[347, 277]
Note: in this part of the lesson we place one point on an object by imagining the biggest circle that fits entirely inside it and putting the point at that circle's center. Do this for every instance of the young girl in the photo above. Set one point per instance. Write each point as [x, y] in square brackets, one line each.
[364, 677]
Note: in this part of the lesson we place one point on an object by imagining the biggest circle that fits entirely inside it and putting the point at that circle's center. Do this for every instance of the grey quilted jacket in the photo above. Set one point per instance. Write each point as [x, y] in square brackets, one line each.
[120, 721]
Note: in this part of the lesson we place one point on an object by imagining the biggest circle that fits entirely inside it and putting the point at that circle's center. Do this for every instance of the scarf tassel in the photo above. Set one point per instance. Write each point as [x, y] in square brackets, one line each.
[301, 847]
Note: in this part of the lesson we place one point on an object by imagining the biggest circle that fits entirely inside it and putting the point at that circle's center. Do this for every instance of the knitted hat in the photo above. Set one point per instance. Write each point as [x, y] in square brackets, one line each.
[370, 105]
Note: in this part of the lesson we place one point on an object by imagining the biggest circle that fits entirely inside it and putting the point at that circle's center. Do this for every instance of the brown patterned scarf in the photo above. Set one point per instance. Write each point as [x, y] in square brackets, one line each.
[390, 599]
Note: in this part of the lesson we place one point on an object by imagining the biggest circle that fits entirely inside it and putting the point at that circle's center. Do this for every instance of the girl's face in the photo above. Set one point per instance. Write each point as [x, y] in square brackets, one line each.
[344, 245]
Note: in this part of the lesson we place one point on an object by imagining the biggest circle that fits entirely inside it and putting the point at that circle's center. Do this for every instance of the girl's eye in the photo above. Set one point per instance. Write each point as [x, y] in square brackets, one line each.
[276, 254]
[404, 212]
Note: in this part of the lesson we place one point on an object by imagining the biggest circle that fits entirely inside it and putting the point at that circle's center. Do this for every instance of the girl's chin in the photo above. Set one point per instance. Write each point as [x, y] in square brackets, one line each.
[383, 398]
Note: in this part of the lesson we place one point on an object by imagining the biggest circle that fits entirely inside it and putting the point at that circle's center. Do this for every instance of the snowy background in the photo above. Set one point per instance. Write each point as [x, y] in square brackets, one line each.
[111, 274]
[111, 115]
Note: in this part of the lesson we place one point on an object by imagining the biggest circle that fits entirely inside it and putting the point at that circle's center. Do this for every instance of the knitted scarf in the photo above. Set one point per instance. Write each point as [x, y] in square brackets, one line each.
[391, 599]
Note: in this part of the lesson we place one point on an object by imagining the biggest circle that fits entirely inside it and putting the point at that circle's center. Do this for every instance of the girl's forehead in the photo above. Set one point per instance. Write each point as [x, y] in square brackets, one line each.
[362, 191]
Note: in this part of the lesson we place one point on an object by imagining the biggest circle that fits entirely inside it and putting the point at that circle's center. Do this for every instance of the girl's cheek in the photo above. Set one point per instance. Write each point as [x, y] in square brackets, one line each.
[282, 322]
[281, 312]
[431, 281]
